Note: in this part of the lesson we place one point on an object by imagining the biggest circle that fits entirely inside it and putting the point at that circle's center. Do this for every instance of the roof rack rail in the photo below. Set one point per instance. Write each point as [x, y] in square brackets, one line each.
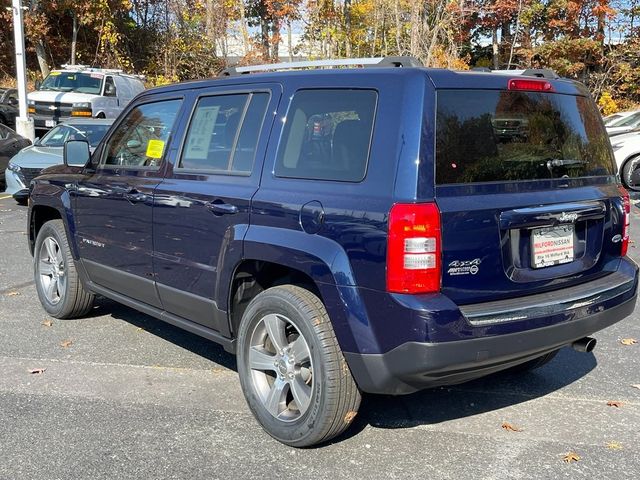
[338, 62]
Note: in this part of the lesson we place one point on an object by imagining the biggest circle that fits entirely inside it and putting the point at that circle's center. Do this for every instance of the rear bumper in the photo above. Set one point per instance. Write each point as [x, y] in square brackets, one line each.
[416, 365]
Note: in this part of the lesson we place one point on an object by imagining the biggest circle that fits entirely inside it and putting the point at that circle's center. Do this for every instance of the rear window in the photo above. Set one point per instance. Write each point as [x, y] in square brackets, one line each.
[493, 136]
[327, 135]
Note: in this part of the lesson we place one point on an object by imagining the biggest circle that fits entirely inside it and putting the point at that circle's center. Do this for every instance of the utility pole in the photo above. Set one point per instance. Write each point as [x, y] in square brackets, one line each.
[24, 124]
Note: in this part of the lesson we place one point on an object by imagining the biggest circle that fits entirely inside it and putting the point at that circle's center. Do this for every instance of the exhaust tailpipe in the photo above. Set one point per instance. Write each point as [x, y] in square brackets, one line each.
[586, 344]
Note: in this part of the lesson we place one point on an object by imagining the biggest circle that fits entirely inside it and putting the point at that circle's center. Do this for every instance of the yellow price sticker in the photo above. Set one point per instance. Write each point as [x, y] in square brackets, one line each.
[55, 74]
[155, 148]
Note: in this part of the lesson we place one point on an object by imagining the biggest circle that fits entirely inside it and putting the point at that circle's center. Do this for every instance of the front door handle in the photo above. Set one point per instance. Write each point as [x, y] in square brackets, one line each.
[221, 208]
[135, 196]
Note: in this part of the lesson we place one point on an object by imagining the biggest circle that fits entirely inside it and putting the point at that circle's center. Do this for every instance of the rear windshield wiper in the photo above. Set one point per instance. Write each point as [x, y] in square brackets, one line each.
[563, 162]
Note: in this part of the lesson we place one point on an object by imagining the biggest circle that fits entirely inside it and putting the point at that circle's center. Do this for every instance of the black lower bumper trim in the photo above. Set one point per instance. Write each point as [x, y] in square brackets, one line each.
[414, 366]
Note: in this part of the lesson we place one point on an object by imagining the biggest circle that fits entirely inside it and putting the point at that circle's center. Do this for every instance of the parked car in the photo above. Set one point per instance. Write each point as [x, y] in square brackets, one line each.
[10, 144]
[626, 149]
[422, 249]
[609, 120]
[45, 152]
[79, 91]
[624, 125]
[8, 107]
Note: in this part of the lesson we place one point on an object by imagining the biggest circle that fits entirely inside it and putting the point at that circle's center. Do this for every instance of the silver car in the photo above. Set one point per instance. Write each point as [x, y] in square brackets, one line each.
[47, 151]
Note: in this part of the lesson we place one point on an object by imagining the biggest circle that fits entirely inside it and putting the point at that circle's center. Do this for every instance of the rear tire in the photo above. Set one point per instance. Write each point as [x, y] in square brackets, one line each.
[59, 288]
[292, 371]
[627, 171]
[534, 364]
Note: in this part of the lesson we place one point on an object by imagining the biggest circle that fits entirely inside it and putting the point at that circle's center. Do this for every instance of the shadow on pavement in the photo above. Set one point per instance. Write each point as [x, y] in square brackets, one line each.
[428, 407]
[189, 341]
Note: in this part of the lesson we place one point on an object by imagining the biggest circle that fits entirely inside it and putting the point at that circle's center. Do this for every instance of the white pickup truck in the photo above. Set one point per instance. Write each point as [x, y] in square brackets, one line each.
[78, 91]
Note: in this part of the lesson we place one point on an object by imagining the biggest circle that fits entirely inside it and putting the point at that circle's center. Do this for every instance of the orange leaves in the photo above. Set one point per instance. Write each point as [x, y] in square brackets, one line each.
[47, 323]
[628, 341]
[66, 343]
[614, 403]
[510, 427]
[37, 371]
[571, 457]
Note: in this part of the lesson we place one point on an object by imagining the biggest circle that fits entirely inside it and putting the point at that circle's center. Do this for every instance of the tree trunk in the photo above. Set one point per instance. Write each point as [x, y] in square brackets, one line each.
[275, 40]
[495, 49]
[347, 25]
[398, 28]
[415, 28]
[264, 38]
[42, 57]
[289, 41]
[74, 38]
[243, 27]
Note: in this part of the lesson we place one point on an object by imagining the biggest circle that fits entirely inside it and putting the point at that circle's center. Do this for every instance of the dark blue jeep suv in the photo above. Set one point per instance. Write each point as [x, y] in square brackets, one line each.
[344, 230]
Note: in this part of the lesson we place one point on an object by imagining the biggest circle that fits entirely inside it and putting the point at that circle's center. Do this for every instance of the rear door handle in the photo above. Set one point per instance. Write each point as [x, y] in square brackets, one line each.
[135, 196]
[221, 208]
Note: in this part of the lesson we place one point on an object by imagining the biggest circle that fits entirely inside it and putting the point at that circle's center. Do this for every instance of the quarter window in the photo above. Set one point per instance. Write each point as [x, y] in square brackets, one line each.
[224, 133]
[140, 140]
[327, 135]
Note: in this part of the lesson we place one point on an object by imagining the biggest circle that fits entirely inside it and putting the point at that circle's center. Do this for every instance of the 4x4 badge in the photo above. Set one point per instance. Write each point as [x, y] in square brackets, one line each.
[464, 267]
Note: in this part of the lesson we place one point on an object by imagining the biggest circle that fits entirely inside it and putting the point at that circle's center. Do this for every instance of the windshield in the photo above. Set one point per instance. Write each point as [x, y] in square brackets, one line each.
[73, 82]
[630, 121]
[489, 136]
[60, 134]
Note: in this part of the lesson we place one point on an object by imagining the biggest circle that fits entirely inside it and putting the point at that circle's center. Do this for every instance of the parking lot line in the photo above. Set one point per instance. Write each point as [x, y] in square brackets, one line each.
[3, 196]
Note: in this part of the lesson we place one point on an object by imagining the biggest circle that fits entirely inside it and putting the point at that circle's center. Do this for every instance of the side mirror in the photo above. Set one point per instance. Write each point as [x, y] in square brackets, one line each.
[110, 91]
[76, 153]
[38, 84]
[13, 101]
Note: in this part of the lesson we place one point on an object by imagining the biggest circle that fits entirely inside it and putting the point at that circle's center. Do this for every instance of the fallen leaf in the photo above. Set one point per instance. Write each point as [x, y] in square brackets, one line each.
[47, 323]
[636, 386]
[13, 294]
[35, 371]
[614, 446]
[628, 341]
[614, 403]
[66, 344]
[510, 428]
[571, 457]
[349, 416]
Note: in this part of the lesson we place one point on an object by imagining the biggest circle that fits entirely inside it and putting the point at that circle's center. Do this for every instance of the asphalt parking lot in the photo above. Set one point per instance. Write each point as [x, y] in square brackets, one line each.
[127, 396]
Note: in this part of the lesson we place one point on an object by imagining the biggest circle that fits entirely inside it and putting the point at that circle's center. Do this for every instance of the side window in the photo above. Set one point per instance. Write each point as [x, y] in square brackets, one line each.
[140, 139]
[327, 135]
[224, 133]
[109, 87]
[4, 132]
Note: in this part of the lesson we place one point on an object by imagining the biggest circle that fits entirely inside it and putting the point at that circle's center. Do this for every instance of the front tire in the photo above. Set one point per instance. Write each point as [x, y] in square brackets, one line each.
[292, 371]
[57, 282]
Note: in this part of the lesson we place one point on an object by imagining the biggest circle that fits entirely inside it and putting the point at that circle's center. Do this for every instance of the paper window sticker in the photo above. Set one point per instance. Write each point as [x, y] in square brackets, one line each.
[155, 148]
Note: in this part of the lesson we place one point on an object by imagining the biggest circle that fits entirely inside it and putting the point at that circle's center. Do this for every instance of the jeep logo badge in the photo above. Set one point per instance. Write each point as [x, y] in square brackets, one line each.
[568, 217]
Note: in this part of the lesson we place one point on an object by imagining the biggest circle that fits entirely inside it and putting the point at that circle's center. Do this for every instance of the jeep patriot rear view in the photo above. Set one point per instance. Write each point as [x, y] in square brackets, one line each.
[343, 230]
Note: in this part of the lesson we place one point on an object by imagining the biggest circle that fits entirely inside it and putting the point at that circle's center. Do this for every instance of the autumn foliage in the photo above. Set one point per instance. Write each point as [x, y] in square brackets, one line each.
[594, 41]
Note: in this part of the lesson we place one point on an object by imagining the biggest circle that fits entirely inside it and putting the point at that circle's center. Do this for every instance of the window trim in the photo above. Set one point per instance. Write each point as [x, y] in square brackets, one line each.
[215, 171]
[371, 136]
[102, 166]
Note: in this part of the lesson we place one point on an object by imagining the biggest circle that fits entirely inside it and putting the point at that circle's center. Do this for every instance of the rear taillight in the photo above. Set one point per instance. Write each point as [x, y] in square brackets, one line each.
[626, 207]
[530, 85]
[414, 248]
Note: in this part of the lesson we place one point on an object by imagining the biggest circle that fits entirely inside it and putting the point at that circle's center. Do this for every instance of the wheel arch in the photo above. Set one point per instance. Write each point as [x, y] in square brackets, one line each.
[317, 263]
